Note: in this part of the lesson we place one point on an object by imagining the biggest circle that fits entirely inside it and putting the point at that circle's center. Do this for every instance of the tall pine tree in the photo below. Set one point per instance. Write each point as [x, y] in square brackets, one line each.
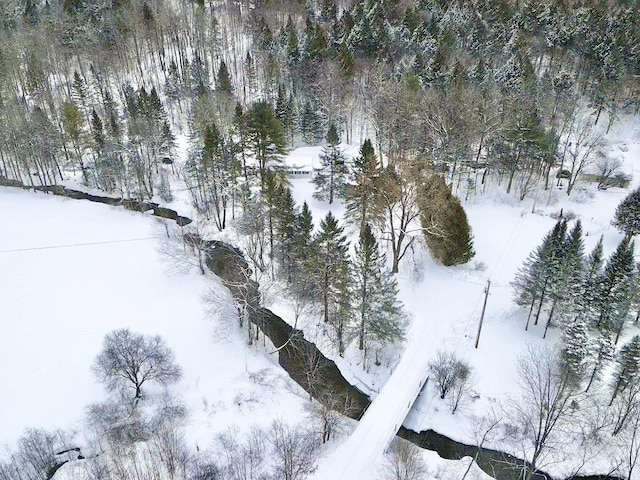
[532, 282]
[376, 306]
[332, 270]
[360, 191]
[614, 289]
[330, 180]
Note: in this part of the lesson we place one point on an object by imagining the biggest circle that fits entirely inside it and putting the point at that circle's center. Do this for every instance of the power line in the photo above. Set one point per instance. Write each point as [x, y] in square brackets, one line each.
[71, 245]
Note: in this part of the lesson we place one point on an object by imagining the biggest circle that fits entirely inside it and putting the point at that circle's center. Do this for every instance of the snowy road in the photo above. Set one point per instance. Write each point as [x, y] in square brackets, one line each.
[354, 458]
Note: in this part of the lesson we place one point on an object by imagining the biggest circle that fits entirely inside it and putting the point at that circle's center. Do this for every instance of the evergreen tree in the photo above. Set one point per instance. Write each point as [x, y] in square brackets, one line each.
[285, 112]
[377, 308]
[330, 180]
[586, 298]
[333, 272]
[601, 353]
[291, 42]
[565, 285]
[223, 82]
[311, 123]
[199, 77]
[164, 188]
[239, 129]
[450, 241]
[627, 367]
[264, 136]
[285, 223]
[304, 254]
[251, 78]
[217, 173]
[576, 350]
[614, 289]
[627, 216]
[359, 192]
[458, 246]
[540, 270]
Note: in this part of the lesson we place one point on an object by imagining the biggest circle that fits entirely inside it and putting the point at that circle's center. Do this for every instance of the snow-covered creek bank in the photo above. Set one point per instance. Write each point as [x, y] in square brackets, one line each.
[293, 355]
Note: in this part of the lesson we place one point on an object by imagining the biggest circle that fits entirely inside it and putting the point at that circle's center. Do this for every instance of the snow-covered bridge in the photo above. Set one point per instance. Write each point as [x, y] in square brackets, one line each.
[354, 458]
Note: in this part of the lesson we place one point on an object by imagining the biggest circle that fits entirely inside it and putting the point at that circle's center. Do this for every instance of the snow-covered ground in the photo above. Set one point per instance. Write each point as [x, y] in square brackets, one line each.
[447, 303]
[61, 301]
[63, 289]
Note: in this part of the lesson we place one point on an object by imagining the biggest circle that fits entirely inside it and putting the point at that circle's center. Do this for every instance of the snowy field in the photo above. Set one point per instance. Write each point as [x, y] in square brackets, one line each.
[61, 297]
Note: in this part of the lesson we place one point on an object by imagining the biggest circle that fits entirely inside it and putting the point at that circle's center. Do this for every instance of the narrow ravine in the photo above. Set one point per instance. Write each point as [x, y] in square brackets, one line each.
[301, 359]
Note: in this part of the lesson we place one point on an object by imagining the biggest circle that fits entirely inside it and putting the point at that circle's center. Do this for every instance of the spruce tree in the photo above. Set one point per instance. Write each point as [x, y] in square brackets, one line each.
[333, 273]
[532, 282]
[576, 350]
[284, 112]
[265, 137]
[285, 229]
[377, 308]
[627, 367]
[564, 287]
[614, 289]
[330, 180]
[291, 42]
[304, 255]
[311, 123]
[359, 192]
[627, 215]
[602, 353]
[223, 80]
[586, 297]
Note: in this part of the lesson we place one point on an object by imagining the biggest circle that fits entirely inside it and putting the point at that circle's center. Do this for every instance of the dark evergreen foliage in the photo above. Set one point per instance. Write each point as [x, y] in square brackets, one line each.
[627, 216]
[333, 273]
[445, 225]
[330, 179]
[375, 296]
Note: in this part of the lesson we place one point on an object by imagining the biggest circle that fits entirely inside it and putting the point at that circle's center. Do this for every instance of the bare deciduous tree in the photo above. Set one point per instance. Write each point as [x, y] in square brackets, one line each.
[129, 360]
[243, 459]
[463, 387]
[448, 371]
[484, 430]
[35, 455]
[546, 403]
[329, 412]
[293, 450]
[404, 461]
[395, 209]
[628, 447]
[608, 171]
[168, 445]
[182, 248]
[582, 146]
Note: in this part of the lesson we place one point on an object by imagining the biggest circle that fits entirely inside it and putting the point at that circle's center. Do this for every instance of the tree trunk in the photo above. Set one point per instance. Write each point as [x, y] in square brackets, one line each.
[325, 295]
[553, 308]
[533, 301]
[540, 305]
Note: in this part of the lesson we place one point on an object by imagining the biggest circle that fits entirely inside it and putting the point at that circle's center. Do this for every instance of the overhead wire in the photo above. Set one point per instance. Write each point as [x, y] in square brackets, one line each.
[72, 245]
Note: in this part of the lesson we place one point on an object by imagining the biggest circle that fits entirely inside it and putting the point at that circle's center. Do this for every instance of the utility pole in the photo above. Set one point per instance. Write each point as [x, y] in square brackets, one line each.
[484, 306]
